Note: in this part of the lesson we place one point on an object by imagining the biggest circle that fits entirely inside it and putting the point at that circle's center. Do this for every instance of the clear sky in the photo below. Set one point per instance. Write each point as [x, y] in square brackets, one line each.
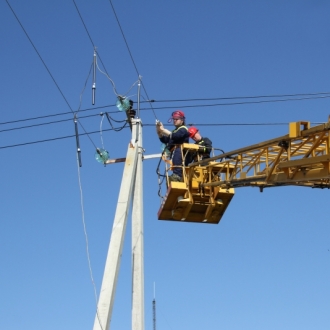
[265, 266]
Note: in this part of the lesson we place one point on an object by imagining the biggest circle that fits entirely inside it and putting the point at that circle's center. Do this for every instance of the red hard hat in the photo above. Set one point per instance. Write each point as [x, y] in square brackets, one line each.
[177, 114]
[192, 131]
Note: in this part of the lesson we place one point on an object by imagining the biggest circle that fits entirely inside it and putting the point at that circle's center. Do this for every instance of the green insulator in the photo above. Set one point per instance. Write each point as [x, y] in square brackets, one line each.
[101, 155]
[123, 104]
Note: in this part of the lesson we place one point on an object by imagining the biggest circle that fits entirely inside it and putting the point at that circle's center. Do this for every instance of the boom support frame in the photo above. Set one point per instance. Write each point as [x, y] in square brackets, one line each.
[300, 158]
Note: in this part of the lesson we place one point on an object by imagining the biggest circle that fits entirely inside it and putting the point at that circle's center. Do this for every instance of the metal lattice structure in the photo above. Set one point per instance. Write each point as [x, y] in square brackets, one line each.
[300, 158]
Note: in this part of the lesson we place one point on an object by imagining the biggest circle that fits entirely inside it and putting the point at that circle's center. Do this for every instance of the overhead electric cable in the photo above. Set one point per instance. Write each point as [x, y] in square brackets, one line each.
[43, 124]
[183, 100]
[58, 87]
[89, 36]
[57, 114]
[121, 121]
[150, 125]
[246, 97]
[130, 54]
[232, 103]
[239, 103]
[82, 92]
[123, 35]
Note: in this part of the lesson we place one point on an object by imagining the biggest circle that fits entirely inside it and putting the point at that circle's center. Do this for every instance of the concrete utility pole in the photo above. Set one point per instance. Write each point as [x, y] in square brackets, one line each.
[137, 244]
[131, 181]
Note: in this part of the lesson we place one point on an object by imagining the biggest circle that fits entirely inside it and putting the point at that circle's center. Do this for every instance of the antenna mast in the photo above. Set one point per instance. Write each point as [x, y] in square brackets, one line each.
[154, 309]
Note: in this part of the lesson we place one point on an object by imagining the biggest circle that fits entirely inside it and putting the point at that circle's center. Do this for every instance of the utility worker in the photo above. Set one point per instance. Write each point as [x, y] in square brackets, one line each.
[173, 140]
[205, 144]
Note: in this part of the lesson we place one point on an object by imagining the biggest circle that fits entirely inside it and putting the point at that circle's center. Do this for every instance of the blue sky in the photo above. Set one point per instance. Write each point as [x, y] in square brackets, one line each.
[265, 266]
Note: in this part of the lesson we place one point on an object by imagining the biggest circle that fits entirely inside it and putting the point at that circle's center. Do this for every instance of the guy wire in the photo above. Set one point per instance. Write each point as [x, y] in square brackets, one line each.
[86, 239]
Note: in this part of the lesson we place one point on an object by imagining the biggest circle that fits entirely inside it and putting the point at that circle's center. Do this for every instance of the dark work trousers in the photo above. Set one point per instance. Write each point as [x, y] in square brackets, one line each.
[177, 161]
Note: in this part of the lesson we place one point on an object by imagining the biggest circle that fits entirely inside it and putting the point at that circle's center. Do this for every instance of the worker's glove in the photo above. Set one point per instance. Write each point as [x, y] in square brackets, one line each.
[159, 125]
[165, 131]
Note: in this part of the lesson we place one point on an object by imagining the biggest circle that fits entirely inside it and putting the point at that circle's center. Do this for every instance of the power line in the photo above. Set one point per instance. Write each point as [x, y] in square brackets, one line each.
[52, 139]
[120, 121]
[230, 104]
[130, 54]
[41, 59]
[153, 109]
[314, 95]
[317, 96]
[55, 115]
[46, 66]
[159, 108]
[90, 38]
[241, 103]
[147, 125]
[47, 123]
[89, 35]
[246, 97]
[123, 35]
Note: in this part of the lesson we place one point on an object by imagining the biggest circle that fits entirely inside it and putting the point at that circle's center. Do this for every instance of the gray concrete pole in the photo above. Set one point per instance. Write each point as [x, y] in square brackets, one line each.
[137, 244]
[109, 282]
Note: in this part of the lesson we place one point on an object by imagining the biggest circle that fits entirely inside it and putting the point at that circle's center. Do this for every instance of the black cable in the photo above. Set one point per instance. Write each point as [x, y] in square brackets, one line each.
[46, 66]
[240, 103]
[150, 125]
[42, 124]
[122, 33]
[125, 120]
[83, 90]
[118, 129]
[57, 114]
[53, 139]
[246, 97]
[236, 124]
[150, 104]
[130, 54]
[89, 36]
[116, 121]
[233, 103]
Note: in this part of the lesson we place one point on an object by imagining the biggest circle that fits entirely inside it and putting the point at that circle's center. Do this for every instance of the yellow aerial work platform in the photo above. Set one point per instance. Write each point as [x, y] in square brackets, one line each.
[300, 158]
[188, 200]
